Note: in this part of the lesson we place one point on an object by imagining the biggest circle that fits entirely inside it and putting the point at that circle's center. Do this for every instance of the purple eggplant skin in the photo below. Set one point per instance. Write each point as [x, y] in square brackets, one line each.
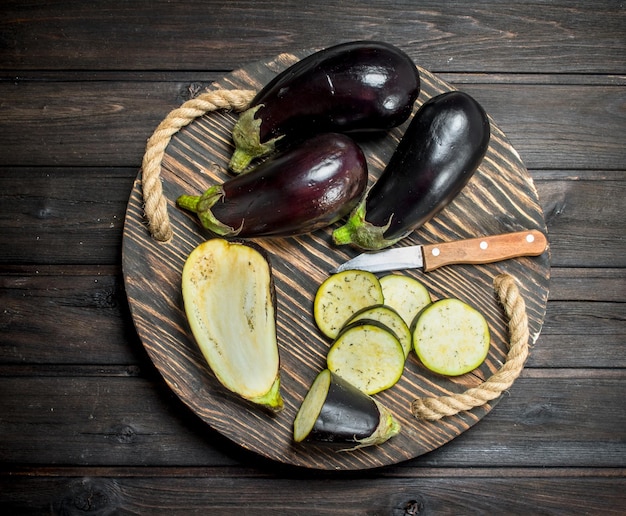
[438, 154]
[305, 188]
[348, 415]
[355, 86]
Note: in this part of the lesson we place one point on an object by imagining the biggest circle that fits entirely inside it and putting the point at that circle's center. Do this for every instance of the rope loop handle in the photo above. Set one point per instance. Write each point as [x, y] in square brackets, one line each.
[155, 205]
[515, 309]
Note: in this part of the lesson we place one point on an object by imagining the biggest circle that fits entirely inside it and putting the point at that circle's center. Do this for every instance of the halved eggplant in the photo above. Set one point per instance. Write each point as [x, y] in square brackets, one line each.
[305, 188]
[335, 411]
[439, 152]
[230, 303]
[355, 86]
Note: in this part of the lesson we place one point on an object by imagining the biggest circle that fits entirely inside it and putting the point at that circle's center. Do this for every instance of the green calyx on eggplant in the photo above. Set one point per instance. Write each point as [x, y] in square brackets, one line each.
[230, 304]
[335, 411]
[438, 154]
[356, 86]
[307, 187]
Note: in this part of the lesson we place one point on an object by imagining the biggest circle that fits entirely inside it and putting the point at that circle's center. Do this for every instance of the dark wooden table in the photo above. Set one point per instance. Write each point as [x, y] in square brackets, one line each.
[87, 424]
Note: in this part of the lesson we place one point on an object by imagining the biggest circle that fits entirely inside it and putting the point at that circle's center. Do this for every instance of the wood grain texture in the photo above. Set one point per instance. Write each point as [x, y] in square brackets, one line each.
[105, 123]
[575, 36]
[501, 197]
[128, 421]
[291, 497]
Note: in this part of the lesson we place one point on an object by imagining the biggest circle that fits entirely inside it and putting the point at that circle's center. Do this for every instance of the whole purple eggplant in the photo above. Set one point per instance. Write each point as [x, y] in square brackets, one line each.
[439, 152]
[356, 86]
[300, 190]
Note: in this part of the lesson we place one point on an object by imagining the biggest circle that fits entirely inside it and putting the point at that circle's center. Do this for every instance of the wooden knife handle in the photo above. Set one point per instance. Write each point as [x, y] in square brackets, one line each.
[484, 250]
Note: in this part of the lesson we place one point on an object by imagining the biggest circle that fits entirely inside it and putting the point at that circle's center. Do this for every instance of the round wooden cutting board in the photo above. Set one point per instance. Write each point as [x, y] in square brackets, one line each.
[500, 198]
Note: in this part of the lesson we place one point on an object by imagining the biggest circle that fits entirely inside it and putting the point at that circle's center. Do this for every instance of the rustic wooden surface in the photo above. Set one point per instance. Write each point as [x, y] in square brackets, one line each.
[87, 423]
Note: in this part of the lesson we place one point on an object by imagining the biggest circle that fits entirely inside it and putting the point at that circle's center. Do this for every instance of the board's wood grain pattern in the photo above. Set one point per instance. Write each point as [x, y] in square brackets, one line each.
[501, 197]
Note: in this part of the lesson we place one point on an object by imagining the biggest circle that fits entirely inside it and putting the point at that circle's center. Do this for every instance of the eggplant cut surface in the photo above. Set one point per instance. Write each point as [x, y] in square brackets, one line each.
[500, 197]
[229, 301]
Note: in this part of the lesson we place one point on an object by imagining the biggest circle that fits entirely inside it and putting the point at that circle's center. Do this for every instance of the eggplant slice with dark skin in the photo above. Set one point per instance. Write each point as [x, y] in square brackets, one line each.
[357, 86]
[438, 154]
[305, 188]
[334, 411]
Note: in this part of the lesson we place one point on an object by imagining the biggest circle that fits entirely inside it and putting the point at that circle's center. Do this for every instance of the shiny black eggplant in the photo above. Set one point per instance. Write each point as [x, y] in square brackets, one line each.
[335, 411]
[356, 86]
[437, 156]
[298, 191]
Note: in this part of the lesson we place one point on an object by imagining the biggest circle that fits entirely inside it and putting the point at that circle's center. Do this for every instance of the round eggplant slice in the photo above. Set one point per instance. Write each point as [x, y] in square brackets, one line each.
[335, 411]
[341, 295]
[368, 355]
[404, 294]
[391, 319]
[451, 337]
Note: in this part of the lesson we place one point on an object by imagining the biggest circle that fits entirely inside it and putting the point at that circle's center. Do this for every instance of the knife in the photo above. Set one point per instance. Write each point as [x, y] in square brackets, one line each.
[431, 256]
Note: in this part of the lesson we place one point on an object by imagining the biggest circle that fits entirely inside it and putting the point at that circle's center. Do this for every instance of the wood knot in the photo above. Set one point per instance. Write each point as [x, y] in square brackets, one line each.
[414, 507]
[124, 434]
[87, 495]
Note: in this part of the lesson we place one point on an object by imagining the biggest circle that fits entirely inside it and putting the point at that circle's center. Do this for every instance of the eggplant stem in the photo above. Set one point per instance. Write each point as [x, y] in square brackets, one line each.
[272, 399]
[201, 206]
[387, 428]
[361, 233]
[247, 139]
[188, 202]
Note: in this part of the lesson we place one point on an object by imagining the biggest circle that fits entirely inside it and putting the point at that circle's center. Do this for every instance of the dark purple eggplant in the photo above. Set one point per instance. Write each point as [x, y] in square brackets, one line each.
[439, 152]
[303, 189]
[335, 411]
[356, 86]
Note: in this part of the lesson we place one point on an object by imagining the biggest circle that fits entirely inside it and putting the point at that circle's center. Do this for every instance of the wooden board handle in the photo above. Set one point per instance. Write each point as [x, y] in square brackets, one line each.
[485, 250]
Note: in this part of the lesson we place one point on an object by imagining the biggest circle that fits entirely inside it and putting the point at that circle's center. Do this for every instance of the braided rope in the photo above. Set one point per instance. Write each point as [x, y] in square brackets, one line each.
[155, 205]
[514, 307]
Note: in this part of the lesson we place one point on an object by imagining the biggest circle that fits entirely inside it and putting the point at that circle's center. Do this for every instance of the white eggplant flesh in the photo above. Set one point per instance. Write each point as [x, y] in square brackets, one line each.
[451, 337]
[230, 303]
[368, 355]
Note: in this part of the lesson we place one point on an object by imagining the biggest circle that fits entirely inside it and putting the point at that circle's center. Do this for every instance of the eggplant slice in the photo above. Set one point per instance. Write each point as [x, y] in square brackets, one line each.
[335, 411]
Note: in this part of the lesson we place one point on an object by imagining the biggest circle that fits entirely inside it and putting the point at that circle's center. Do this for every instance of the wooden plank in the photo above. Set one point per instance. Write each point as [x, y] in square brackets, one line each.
[83, 123]
[131, 421]
[583, 218]
[61, 216]
[584, 311]
[108, 494]
[97, 327]
[70, 215]
[483, 36]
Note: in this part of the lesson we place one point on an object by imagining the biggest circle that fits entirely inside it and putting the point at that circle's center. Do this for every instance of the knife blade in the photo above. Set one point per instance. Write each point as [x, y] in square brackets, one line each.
[486, 249]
